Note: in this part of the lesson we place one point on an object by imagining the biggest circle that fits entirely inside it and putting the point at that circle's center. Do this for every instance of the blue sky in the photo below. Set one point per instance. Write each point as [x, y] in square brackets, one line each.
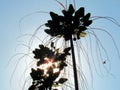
[11, 12]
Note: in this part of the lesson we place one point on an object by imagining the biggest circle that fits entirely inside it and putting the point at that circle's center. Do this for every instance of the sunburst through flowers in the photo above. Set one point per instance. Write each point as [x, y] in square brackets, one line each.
[51, 61]
[49, 65]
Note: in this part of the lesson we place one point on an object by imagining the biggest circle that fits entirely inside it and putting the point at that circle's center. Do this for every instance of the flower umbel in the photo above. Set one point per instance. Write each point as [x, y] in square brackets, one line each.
[49, 65]
[71, 23]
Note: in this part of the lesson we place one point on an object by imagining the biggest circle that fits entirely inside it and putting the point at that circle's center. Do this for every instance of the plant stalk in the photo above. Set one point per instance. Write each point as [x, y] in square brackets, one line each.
[74, 64]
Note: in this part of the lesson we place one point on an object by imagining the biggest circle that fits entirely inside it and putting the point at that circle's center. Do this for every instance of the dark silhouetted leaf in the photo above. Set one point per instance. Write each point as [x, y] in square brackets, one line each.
[36, 74]
[54, 15]
[66, 50]
[71, 9]
[79, 13]
[48, 31]
[86, 17]
[82, 28]
[87, 23]
[32, 87]
[62, 80]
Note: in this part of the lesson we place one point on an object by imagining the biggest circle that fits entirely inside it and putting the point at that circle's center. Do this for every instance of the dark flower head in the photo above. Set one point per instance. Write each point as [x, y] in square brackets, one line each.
[44, 52]
[49, 65]
[41, 53]
[71, 23]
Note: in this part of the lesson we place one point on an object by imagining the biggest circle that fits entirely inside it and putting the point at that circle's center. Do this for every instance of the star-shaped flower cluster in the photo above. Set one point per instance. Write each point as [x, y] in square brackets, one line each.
[49, 65]
[71, 23]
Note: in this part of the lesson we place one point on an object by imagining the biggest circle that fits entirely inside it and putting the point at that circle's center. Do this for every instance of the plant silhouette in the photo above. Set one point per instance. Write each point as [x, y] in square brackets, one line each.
[72, 23]
[50, 63]
[56, 57]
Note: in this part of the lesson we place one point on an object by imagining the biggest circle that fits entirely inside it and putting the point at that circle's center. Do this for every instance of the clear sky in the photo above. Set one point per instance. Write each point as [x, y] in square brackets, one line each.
[12, 11]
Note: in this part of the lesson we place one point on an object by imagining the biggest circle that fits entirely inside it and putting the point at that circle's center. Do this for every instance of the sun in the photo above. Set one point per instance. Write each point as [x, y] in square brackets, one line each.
[49, 64]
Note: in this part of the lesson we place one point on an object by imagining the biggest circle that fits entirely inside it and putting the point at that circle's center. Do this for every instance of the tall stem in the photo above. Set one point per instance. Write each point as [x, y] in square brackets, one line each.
[74, 65]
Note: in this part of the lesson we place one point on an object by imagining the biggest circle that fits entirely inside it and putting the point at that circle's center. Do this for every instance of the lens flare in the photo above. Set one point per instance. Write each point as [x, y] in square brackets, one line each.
[49, 64]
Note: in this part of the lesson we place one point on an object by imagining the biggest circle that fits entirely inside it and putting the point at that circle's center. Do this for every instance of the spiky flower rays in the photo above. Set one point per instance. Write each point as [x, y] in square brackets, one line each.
[72, 23]
[49, 65]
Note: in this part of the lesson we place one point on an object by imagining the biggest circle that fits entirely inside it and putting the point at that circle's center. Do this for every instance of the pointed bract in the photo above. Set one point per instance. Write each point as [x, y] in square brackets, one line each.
[86, 17]
[53, 15]
[80, 12]
[87, 23]
[71, 9]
